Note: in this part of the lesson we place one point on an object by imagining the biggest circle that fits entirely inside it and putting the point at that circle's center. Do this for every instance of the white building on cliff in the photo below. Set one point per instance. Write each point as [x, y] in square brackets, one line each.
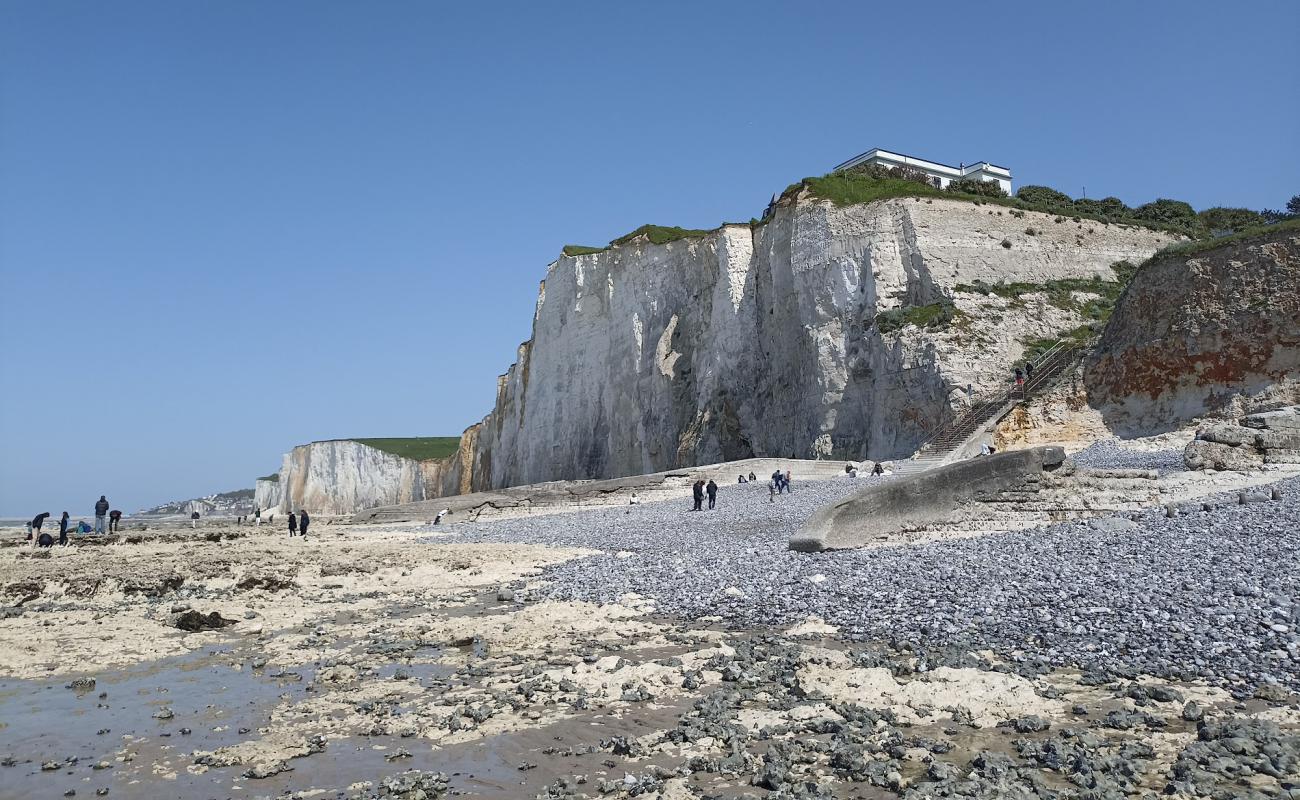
[940, 174]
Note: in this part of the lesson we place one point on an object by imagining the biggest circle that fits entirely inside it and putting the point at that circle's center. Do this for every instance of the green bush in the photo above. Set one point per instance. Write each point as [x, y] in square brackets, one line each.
[934, 315]
[1107, 208]
[1044, 196]
[1169, 212]
[580, 250]
[854, 187]
[976, 187]
[1231, 220]
[879, 172]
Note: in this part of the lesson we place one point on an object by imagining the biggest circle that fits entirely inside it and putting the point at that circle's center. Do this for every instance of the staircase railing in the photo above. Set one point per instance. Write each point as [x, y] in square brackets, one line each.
[1045, 367]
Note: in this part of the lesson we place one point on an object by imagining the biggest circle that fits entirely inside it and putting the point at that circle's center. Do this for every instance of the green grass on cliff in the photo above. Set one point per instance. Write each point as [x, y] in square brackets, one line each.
[420, 448]
[1201, 245]
[851, 189]
[274, 476]
[854, 188]
[655, 234]
[661, 234]
[934, 315]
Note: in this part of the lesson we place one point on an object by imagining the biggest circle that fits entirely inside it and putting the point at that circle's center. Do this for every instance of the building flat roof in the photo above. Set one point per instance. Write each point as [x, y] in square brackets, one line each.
[917, 158]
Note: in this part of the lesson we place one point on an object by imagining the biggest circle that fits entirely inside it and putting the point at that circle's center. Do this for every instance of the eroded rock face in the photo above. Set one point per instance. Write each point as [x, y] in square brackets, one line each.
[1258, 439]
[765, 342]
[1218, 332]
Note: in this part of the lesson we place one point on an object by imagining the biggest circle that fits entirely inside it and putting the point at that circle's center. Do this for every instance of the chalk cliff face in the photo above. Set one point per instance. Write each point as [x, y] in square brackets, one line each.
[267, 494]
[343, 476]
[762, 341]
[765, 342]
[1217, 332]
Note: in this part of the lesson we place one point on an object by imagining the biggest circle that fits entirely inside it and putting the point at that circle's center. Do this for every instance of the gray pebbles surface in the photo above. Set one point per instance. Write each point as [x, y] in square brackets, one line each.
[1111, 454]
[1211, 594]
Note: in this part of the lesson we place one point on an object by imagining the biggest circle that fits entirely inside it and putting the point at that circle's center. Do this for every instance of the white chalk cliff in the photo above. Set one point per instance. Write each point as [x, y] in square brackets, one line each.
[757, 340]
[341, 476]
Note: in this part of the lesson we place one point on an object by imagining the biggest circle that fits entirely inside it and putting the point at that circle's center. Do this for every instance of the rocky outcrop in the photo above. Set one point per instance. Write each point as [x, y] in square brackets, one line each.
[342, 476]
[768, 340]
[1216, 332]
[1258, 439]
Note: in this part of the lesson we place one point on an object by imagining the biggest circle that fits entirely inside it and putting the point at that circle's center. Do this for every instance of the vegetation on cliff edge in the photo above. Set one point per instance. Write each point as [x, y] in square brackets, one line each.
[420, 448]
[274, 477]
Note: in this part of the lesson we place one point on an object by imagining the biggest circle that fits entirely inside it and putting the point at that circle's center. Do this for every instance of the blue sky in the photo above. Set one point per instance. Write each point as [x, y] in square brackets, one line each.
[230, 227]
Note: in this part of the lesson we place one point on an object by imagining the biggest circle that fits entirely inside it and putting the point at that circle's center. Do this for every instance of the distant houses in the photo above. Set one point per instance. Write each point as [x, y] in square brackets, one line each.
[940, 174]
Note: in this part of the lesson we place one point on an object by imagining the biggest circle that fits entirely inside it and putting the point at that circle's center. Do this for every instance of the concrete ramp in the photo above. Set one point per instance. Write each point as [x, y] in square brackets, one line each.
[932, 497]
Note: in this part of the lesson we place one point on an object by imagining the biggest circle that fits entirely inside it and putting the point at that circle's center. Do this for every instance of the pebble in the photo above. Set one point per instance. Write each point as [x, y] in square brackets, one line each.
[1178, 597]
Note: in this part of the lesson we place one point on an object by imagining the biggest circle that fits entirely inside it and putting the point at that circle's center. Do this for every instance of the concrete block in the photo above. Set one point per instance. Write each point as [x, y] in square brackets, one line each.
[927, 498]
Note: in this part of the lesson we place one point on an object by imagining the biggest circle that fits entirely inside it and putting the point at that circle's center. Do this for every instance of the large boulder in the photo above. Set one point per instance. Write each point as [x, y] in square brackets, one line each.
[1202, 454]
[1231, 435]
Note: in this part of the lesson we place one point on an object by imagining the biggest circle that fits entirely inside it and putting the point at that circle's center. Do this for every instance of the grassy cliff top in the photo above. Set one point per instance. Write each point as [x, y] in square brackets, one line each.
[1202, 245]
[274, 476]
[420, 448]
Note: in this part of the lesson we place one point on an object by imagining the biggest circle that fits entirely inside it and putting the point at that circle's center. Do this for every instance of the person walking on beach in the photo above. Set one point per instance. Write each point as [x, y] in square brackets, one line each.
[752, 476]
[877, 469]
[114, 521]
[303, 522]
[712, 490]
[697, 492]
[63, 528]
[101, 510]
[194, 519]
[34, 527]
[293, 524]
[787, 482]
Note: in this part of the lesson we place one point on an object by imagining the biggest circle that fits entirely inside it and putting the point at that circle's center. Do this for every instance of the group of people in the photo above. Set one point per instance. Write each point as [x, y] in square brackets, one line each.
[298, 523]
[780, 483]
[105, 520]
[1025, 374]
[700, 489]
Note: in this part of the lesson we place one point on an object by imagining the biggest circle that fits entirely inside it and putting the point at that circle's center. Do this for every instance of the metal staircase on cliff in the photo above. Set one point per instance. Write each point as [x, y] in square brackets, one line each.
[947, 438]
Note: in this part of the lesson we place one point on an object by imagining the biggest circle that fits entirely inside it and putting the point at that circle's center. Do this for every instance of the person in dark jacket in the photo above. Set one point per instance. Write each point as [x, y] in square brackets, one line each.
[35, 525]
[712, 490]
[752, 477]
[101, 509]
[63, 528]
[697, 491]
[293, 524]
[1029, 370]
[114, 521]
[303, 522]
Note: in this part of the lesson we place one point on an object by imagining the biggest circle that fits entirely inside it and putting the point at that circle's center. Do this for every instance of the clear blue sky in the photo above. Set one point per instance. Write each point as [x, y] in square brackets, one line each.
[230, 227]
